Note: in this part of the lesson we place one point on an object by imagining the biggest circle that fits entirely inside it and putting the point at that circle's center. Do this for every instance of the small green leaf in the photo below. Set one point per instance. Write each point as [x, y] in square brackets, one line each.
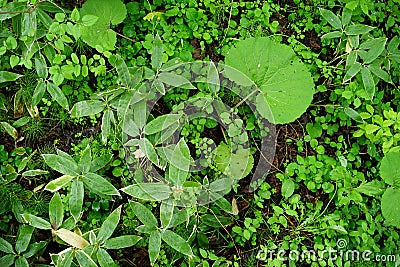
[57, 95]
[87, 108]
[154, 246]
[6, 76]
[89, 20]
[119, 242]
[56, 210]
[76, 199]
[353, 114]
[176, 242]
[371, 128]
[99, 185]
[157, 51]
[23, 238]
[100, 162]
[109, 225]
[37, 222]
[331, 18]
[144, 214]
[288, 187]
[368, 81]
[40, 89]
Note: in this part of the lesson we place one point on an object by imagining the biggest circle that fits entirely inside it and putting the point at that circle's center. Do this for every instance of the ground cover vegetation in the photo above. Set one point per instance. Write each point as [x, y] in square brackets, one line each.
[199, 133]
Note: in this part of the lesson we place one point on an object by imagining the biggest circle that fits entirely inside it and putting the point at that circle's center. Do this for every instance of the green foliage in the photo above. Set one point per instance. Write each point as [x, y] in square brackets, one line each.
[268, 66]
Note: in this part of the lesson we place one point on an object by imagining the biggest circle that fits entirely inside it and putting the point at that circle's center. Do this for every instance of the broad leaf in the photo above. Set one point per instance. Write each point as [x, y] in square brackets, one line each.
[144, 214]
[357, 29]
[5, 246]
[41, 67]
[87, 108]
[37, 222]
[352, 71]
[71, 238]
[106, 121]
[157, 51]
[8, 259]
[147, 147]
[148, 191]
[119, 242]
[10, 130]
[6, 76]
[375, 47]
[390, 206]
[23, 237]
[40, 89]
[21, 262]
[99, 185]
[166, 212]
[283, 79]
[160, 123]
[56, 210]
[105, 259]
[57, 95]
[59, 183]
[61, 164]
[175, 80]
[34, 248]
[76, 199]
[288, 187]
[109, 225]
[154, 246]
[368, 81]
[176, 242]
[390, 170]
[85, 160]
[100, 162]
[84, 259]
[331, 18]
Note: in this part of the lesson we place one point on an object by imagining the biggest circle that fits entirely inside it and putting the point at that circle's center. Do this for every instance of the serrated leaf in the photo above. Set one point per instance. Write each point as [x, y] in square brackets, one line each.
[57, 95]
[87, 108]
[284, 81]
[331, 18]
[176, 242]
[144, 214]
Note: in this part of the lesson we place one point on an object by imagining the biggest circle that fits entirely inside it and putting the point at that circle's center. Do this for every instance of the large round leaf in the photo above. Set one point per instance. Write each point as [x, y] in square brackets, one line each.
[391, 207]
[389, 169]
[283, 79]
